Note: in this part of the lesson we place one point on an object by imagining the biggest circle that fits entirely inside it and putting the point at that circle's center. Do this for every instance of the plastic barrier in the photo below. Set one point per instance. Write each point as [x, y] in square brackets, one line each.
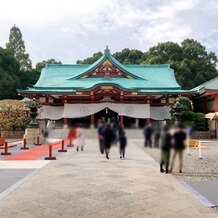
[193, 143]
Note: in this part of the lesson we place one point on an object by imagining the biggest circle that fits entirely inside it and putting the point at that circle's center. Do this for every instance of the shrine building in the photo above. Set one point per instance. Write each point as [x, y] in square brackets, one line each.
[83, 93]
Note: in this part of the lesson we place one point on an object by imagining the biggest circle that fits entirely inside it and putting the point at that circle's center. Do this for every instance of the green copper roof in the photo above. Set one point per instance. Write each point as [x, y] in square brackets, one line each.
[106, 56]
[211, 85]
[66, 78]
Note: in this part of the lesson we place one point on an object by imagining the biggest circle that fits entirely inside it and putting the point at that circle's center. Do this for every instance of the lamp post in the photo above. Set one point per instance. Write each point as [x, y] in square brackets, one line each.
[32, 132]
[33, 111]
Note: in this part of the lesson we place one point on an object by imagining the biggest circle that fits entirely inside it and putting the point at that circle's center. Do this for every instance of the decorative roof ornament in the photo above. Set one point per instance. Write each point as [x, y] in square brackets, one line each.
[107, 50]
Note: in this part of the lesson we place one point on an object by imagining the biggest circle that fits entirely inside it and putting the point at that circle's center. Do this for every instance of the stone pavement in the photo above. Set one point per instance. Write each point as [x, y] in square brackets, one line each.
[85, 184]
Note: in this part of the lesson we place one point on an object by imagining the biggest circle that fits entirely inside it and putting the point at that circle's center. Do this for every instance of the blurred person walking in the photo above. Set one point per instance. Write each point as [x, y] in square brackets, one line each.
[178, 146]
[123, 144]
[165, 145]
[101, 128]
[148, 135]
[80, 139]
[157, 136]
[115, 127]
[108, 138]
[120, 129]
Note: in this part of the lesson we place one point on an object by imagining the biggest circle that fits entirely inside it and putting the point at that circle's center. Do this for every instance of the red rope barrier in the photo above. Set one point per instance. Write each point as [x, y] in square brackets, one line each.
[62, 147]
[24, 145]
[6, 150]
[37, 141]
[50, 154]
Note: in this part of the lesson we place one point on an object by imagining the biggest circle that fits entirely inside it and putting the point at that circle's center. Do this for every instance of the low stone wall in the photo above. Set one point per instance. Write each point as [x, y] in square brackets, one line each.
[12, 134]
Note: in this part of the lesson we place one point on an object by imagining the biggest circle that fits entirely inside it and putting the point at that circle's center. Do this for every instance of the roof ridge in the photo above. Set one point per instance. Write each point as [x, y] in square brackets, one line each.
[107, 56]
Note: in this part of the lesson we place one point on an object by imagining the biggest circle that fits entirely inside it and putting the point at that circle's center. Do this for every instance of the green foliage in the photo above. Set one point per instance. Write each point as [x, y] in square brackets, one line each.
[12, 77]
[187, 116]
[192, 64]
[42, 64]
[186, 102]
[200, 122]
[189, 123]
[127, 56]
[16, 47]
[90, 60]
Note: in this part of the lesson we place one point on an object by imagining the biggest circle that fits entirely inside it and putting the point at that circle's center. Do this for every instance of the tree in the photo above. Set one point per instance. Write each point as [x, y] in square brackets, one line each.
[13, 114]
[127, 56]
[12, 77]
[42, 64]
[28, 78]
[9, 75]
[186, 114]
[16, 47]
[167, 52]
[192, 63]
[90, 60]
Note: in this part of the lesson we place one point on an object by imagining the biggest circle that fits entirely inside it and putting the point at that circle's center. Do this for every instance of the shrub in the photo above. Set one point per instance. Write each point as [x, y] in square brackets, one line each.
[13, 115]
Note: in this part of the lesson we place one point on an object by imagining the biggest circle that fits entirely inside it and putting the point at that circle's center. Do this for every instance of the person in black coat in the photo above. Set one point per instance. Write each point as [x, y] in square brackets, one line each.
[179, 147]
[108, 138]
[148, 135]
[101, 128]
[157, 136]
[123, 143]
[166, 144]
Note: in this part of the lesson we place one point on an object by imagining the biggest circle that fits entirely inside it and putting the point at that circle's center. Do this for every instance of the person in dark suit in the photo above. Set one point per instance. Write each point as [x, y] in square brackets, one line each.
[108, 138]
[166, 144]
[157, 136]
[101, 128]
[123, 143]
[148, 135]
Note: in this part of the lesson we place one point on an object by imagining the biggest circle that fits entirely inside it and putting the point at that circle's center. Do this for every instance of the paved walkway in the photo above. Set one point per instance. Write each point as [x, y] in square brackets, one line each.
[85, 184]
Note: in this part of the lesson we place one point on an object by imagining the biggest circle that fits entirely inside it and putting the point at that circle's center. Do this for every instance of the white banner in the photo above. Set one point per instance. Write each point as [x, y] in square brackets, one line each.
[129, 110]
[160, 113]
[51, 112]
[82, 110]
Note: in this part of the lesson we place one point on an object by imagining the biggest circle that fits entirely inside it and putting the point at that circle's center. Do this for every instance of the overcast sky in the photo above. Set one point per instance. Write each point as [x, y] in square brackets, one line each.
[68, 30]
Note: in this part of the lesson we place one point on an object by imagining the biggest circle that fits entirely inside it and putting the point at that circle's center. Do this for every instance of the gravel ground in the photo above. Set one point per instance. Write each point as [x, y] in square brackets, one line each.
[195, 169]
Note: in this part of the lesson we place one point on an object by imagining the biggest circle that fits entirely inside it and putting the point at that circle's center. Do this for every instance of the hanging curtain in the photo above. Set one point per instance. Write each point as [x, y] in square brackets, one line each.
[130, 110]
[82, 110]
[160, 113]
[51, 112]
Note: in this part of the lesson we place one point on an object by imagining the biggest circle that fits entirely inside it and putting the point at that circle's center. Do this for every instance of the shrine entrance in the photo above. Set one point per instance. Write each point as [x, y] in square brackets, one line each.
[107, 115]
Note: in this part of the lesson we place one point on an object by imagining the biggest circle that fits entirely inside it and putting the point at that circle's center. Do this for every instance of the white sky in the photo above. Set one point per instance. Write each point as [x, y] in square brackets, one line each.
[68, 30]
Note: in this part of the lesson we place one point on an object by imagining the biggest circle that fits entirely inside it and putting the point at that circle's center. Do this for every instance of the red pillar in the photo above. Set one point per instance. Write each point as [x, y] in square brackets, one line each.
[92, 121]
[216, 128]
[148, 121]
[65, 122]
[216, 103]
[167, 100]
[121, 120]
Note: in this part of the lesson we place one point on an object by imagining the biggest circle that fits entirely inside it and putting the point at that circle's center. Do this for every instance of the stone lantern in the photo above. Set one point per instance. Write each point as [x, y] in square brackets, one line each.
[33, 134]
[176, 112]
